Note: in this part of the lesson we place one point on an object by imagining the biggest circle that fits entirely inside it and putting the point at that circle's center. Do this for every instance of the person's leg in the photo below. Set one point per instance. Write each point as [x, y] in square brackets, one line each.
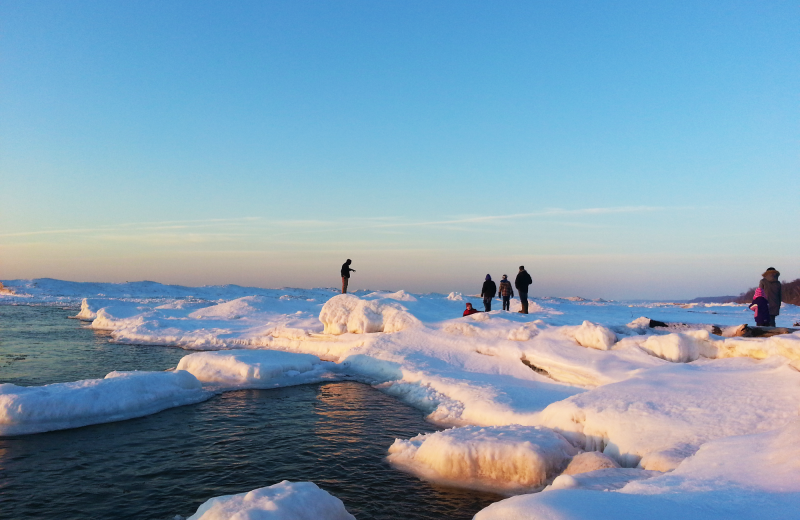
[506, 303]
[487, 304]
[523, 298]
[344, 284]
[771, 320]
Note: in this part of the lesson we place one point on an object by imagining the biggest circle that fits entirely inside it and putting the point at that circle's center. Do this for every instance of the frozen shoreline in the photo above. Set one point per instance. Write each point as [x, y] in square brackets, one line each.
[656, 399]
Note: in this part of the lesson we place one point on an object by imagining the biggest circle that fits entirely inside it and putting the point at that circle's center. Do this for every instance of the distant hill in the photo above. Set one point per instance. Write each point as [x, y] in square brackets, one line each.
[715, 299]
[790, 293]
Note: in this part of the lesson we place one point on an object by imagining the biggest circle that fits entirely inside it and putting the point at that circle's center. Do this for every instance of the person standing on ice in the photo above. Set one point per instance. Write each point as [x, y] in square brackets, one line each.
[771, 288]
[761, 307]
[506, 292]
[470, 310]
[522, 282]
[488, 292]
[346, 275]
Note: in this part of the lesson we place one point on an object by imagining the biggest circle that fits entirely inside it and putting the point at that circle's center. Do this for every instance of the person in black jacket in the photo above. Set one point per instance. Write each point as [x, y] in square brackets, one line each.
[488, 292]
[522, 282]
[346, 274]
[506, 292]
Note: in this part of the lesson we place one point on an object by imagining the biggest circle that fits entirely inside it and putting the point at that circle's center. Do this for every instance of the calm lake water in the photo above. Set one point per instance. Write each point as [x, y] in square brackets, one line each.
[167, 464]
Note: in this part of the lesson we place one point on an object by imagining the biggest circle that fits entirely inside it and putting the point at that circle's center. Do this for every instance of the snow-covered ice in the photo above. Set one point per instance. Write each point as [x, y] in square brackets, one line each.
[707, 410]
[231, 369]
[120, 396]
[504, 459]
[283, 501]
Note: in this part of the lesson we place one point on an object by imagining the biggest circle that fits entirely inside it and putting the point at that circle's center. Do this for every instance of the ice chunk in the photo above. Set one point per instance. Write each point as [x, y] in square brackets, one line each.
[283, 501]
[252, 368]
[120, 396]
[348, 313]
[680, 347]
[591, 335]
[589, 461]
[504, 459]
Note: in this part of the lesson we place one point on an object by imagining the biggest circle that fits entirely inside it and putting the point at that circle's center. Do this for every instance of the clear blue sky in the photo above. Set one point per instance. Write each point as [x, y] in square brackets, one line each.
[617, 149]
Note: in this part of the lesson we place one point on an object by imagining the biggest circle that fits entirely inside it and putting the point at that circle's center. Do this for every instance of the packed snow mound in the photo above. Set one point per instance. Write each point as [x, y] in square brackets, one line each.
[505, 459]
[786, 345]
[455, 297]
[602, 479]
[252, 368]
[120, 396]
[233, 309]
[591, 335]
[116, 314]
[400, 296]
[662, 415]
[768, 462]
[348, 313]
[590, 461]
[681, 347]
[283, 501]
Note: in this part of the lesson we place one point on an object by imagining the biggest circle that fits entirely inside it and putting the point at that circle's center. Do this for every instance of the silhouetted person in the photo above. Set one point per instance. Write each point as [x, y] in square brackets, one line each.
[522, 282]
[346, 274]
[488, 292]
[771, 288]
[506, 292]
[470, 310]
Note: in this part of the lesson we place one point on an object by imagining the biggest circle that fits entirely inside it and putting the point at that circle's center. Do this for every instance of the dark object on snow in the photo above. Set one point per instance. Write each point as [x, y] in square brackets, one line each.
[522, 282]
[771, 287]
[346, 274]
[746, 331]
[656, 323]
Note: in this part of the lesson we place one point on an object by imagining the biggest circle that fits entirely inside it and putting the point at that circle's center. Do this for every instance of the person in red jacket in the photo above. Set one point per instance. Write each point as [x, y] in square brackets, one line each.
[470, 310]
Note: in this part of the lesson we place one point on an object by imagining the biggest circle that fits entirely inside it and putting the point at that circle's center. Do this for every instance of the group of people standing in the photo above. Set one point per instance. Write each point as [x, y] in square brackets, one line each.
[506, 292]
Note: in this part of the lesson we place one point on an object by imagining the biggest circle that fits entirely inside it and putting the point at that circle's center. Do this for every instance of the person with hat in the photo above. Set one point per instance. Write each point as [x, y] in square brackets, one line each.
[470, 310]
[771, 289]
[506, 292]
[488, 291]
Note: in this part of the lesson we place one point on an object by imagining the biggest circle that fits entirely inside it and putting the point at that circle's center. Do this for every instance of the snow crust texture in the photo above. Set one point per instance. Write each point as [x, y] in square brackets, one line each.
[283, 501]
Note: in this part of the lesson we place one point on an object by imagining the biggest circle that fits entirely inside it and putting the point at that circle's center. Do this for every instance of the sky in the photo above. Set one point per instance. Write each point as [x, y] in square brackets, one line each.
[616, 149]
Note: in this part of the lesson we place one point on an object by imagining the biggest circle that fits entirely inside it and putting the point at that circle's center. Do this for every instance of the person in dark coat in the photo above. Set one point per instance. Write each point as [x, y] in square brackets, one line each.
[522, 282]
[761, 306]
[488, 292]
[346, 275]
[470, 310]
[506, 292]
[771, 288]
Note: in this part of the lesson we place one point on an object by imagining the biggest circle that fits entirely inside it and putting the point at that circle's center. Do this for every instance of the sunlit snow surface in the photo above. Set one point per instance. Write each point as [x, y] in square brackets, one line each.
[719, 415]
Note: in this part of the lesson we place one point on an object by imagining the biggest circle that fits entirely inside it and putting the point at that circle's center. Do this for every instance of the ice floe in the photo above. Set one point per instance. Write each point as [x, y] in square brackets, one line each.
[283, 501]
[120, 396]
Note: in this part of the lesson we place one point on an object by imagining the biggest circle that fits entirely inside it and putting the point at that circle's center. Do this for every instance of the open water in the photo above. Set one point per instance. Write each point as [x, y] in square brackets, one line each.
[333, 434]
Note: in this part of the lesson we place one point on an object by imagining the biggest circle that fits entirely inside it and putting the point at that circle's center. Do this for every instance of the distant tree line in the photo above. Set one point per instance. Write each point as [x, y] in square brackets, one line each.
[790, 293]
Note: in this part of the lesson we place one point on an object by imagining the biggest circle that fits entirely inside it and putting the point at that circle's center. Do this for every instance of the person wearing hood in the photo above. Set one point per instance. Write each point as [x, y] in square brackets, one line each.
[761, 306]
[771, 289]
[470, 310]
[488, 292]
[506, 292]
[521, 282]
[346, 275]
